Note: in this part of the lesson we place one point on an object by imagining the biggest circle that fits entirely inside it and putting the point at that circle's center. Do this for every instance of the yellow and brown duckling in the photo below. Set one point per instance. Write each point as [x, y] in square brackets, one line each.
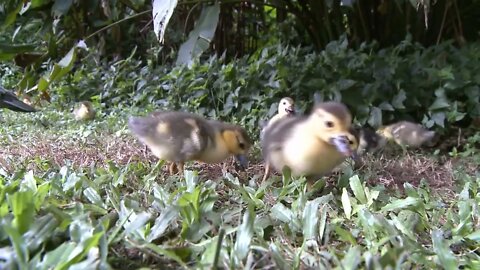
[84, 111]
[311, 145]
[407, 134]
[368, 140]
[178, 137]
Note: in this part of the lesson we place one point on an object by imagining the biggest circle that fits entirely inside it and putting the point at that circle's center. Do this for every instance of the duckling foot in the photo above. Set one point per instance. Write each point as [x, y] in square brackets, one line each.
[172, 169]
[175, 168]
[266, 173]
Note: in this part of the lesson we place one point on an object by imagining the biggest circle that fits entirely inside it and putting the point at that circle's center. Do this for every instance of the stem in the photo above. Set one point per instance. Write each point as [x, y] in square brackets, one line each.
[188, 16]
[260, 3]
[219, 248]
[362, 21]
[460, 27]
[118, 22]
[443, 21]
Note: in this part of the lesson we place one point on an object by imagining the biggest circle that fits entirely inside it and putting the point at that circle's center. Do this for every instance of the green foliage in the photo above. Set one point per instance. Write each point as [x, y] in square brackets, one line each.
[37, 34]
[112, 215]
[179, 222]
[437, 86]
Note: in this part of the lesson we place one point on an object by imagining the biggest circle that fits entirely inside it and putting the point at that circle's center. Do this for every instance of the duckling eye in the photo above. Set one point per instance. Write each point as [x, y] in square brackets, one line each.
[241, 145]
[284, 103]
[329, 124]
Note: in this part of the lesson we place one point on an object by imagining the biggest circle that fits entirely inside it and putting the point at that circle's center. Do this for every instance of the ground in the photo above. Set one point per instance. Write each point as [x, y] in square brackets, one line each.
[46, 142]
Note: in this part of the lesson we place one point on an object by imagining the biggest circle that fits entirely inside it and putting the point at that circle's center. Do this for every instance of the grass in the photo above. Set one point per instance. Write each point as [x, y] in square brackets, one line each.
[77, 195]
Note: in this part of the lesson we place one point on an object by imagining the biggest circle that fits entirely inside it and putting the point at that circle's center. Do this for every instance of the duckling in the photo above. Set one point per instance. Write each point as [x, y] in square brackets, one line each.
[179, 137]
[27, 100]
[407, 134]
[10, 101]
[311, 145]
[368, 140]
[286, 107]
[84, 111]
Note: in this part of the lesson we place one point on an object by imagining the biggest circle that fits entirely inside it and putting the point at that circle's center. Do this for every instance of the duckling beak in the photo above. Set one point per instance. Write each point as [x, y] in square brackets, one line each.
[290, 110]
[242, 159]
[342, 144]
[355, 156]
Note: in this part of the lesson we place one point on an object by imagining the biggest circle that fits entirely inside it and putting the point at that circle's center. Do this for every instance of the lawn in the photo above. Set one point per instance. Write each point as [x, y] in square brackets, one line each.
[85, 195]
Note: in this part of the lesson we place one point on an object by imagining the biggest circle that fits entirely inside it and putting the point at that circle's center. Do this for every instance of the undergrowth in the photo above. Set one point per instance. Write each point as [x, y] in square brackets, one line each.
[119, 210]
[131, 215]
[437, 85]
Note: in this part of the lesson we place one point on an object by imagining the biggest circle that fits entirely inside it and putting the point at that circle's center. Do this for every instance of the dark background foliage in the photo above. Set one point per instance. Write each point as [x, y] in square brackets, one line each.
[385, 59]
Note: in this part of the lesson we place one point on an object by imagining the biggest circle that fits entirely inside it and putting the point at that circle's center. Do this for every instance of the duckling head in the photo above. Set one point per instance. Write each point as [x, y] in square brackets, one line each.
[286, 106]
[368, 140]
[238, 142]
[84, 111]
[331, 123]
[385, 132]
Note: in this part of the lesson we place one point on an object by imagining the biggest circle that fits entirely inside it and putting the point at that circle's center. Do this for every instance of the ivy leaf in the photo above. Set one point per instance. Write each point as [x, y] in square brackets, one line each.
[375, 118]
[398, 100]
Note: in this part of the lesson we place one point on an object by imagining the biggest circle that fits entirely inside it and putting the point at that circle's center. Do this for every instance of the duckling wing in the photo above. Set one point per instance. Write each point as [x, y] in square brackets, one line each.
[175, 136]
[277, 133]
[410, 134]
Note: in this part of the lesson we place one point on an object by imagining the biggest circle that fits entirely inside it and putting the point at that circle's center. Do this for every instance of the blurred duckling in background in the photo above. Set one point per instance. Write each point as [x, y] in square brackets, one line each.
[286, 107]
[368, 140]
[27, 100]
[178, 137]
[311, 145]
[84, 111]
[407, 134]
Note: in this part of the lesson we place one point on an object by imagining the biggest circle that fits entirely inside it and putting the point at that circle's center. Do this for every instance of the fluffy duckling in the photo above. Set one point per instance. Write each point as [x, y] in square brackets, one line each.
[179, 137]
[27, 100]
[84, 111]
[407, 134]
[368, 140]
[311, 145]
[286, 107]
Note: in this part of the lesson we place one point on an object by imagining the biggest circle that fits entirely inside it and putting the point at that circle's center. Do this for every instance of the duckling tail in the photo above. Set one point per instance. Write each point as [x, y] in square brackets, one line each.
[429, 135]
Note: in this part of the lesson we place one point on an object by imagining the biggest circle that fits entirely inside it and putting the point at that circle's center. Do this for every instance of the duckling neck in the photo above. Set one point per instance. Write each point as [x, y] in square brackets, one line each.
[216, 150]
[308, 154]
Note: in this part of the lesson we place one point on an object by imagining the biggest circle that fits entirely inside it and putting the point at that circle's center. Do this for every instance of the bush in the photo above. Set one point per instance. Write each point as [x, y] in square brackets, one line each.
[436, 85]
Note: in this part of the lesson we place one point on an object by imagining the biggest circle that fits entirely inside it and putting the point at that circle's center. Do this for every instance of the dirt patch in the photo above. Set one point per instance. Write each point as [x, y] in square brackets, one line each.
[76, 153]
[394, 171]
[390, 171]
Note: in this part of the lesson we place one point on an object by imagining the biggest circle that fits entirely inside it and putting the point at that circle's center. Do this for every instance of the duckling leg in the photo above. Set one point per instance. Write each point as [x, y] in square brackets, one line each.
[266, 172]
[404, 150]
[172, 169]
[181, 167]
